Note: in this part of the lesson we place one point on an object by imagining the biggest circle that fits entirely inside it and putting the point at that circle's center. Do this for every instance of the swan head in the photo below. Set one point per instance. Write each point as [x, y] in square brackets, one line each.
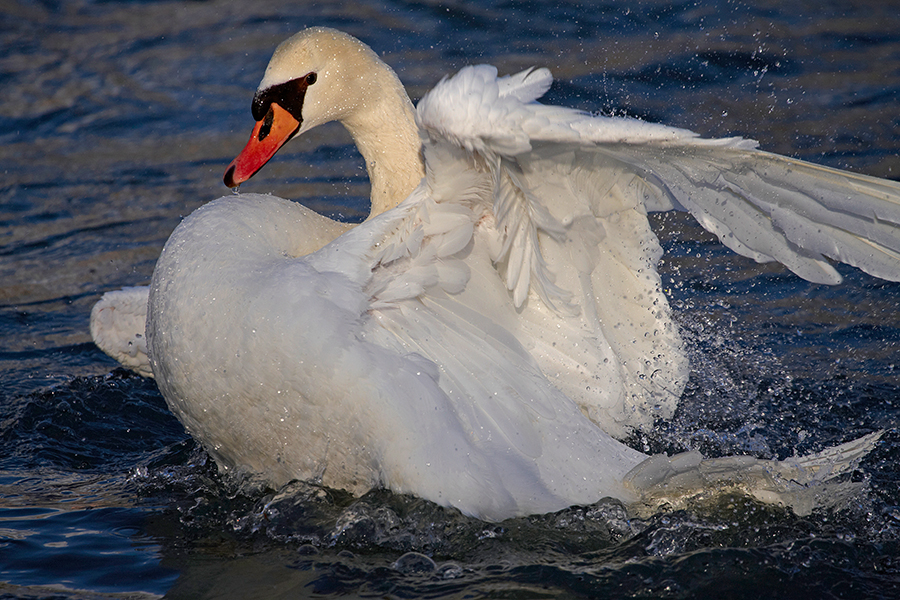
[317, 76]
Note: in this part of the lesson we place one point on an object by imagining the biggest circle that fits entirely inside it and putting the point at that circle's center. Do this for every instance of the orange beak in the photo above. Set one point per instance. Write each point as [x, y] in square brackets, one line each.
[270, 133]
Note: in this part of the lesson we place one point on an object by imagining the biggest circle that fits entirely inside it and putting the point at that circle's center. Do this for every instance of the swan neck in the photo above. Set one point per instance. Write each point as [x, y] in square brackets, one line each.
[386, 135]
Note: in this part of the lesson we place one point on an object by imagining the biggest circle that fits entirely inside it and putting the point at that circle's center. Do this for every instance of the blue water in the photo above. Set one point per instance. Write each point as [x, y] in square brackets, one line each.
[118, 118]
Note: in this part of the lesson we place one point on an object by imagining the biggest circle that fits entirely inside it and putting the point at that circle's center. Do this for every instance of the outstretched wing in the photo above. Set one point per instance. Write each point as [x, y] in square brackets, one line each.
[569, 198]
[761, 205]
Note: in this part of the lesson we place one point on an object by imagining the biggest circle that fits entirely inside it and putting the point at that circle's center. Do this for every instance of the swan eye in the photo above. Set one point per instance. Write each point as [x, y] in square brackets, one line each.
[288, 95]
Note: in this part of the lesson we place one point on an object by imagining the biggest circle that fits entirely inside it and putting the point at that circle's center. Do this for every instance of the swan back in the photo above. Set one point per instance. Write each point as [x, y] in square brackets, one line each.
[217, 319]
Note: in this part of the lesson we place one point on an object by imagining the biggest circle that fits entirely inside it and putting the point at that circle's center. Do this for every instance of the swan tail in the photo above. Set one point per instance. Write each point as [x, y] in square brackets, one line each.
[118, 320]
[802, 483]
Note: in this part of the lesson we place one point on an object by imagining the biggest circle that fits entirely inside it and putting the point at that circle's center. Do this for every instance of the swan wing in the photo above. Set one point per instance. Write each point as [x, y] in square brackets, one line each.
[435, 300]
[472, 385]
[569, 193]
[762, 205]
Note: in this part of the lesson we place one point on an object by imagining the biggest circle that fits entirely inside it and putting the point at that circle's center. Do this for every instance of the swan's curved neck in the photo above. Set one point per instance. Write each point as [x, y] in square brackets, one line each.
[386, 134]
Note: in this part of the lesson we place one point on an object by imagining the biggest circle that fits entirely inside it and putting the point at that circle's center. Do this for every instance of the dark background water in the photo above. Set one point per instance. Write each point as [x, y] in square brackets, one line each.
[118, 118]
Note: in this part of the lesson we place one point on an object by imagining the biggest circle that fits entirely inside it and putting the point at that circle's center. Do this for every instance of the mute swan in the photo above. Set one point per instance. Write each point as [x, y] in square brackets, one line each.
[481, 338]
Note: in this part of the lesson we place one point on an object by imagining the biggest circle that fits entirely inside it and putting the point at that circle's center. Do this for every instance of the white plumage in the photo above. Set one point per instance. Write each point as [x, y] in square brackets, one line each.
[479, 342]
